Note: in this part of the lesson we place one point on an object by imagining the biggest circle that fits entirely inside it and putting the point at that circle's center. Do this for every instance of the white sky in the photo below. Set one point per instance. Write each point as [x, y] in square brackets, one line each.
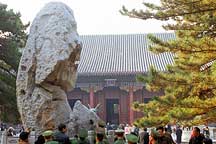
[93, 16]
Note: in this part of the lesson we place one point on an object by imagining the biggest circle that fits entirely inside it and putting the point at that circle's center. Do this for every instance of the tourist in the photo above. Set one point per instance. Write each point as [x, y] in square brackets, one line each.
[167, 134]
[1, 126]
[197, 138]
[23, 138]
[127, 129]
[48, 136]
[207, 140]
[178, 135]
[120, 136]
[206, 131]
[168, 128]
[153, 138]
[60, 135]
[40, 140]
[10, 131]
[108, 127]
[173, 135]
[163, 137]
[135, 130]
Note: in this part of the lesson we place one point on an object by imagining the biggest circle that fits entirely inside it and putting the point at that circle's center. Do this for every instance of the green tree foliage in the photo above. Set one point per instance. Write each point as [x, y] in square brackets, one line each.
[189, 84]
[12, 38]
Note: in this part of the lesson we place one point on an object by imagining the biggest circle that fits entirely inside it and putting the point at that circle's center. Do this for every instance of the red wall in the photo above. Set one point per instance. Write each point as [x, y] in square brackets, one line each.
[112, 93]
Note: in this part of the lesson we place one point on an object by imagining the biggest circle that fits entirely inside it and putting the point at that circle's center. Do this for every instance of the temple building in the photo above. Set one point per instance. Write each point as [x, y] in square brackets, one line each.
[107, 73]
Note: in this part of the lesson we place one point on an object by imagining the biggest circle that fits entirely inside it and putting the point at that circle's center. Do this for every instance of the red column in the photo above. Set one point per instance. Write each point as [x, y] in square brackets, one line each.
[91, 96]
[131, 99]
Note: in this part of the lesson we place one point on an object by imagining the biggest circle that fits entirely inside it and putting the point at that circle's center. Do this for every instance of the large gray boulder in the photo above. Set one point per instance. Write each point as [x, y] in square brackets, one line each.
[80, 118]
[48, 68]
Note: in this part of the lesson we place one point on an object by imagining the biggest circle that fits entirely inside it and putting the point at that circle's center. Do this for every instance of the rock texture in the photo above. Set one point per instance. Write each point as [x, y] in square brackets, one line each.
[48, 68]
[80, 118]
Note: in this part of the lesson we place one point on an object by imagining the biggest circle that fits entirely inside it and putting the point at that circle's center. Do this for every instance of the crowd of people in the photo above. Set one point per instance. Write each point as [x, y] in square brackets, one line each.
[122, 134]
[61, 137]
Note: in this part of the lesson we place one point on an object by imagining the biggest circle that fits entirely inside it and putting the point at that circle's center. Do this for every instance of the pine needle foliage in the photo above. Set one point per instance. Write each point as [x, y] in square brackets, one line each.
[189, 85]
[12, 38]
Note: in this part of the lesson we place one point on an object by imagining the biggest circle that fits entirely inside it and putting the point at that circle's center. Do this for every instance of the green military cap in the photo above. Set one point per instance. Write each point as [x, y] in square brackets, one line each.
[52, 142]
[83, 133]
[119, 131]
[101, 123]
[132, 138]
[48, 133]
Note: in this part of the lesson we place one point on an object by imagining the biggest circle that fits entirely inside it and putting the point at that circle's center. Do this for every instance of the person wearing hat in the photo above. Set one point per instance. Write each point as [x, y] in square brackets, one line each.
[48, 136]
[120, 136]
[23, 138]
[132, 139]
[83, 134]
[153, 138]
[100, 135]
[102, 125]
[100, 132]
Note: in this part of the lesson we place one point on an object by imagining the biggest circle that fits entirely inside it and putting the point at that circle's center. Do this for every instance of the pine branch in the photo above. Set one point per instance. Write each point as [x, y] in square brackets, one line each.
[147, 15]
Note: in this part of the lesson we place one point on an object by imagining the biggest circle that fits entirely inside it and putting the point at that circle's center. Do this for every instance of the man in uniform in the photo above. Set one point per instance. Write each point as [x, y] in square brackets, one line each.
[100, 135]
[48, 136]
[83, 134]
[132, 139]
[120, 136]
[102, 125]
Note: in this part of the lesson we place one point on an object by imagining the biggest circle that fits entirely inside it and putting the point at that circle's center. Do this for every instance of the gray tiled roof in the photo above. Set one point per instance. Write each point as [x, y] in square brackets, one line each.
[120, 54]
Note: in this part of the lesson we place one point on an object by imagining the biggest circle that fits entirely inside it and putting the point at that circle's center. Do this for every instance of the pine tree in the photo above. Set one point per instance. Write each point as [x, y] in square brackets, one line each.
[189, 85]
[12, 37]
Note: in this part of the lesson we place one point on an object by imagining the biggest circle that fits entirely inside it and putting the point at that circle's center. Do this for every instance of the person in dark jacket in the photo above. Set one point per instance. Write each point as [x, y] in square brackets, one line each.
[60, 135]
[40, 140]
[162, 139]
[178, 135]
[168, 134]
[207, 140]
[23, 138]
[197, 138]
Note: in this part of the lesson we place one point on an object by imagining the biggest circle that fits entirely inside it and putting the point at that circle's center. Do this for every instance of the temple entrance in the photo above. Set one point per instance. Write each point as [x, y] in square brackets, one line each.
[112, 111]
